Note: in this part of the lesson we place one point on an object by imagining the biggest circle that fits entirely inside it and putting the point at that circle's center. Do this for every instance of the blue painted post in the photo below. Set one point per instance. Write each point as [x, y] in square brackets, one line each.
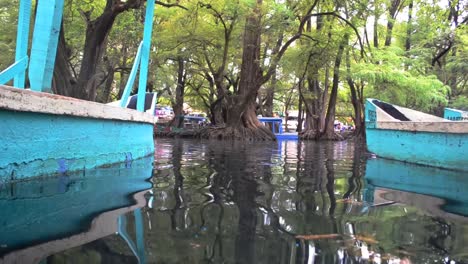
[10, 72]
[22, 35]
[131, 78]
[145, 55]
[281, 126]
[44, 44]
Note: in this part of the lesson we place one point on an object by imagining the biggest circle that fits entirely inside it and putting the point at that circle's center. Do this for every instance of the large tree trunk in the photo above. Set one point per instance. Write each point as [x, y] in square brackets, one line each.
[393, 10]
[360, 131]
[300, 120]
[376, 24]
[241, 119]
[408, 26]
[89, 76]
[329, 129]
[63, 79]
[178, 105]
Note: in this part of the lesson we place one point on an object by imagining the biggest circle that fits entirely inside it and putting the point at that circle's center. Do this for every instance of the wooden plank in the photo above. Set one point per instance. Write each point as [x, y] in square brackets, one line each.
[131, 78]
[145, 55]
[22, 36]
[29, 101]
[44, 44]
[12, 71]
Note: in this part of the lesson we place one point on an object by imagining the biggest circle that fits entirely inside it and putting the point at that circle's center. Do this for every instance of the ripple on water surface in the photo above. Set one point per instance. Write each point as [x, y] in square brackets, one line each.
[287, 202]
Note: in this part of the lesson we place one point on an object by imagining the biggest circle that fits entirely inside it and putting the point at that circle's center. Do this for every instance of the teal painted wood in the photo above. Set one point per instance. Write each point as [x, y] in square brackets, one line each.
[148, 29]
[445, 184]
[66, 143]
[455, 115]
[131, 78]
[44, 44]
[16, 68]
[44, 209]
[451, 114]
[443, 150]
[287, 136]
[22, 36]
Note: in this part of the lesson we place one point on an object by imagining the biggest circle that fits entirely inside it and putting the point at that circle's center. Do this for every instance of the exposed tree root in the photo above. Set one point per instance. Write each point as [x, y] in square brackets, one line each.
[237, 133]
[315, 135]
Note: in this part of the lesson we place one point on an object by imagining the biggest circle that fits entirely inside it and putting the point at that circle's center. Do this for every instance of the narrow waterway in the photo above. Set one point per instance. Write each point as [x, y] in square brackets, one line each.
[238, 202]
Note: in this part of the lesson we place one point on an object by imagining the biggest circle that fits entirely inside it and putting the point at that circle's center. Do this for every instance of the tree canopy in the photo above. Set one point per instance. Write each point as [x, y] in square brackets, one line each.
[321, 57]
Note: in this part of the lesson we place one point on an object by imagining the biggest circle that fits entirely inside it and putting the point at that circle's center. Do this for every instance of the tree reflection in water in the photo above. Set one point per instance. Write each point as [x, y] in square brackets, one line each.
[247, 203]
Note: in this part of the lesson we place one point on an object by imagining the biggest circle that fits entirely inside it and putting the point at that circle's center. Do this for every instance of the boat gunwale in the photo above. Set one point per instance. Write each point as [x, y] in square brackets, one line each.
[15, 99]
[423, 126]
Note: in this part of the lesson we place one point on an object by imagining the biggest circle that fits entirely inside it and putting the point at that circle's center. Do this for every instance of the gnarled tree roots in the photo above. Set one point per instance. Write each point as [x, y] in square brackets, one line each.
[237, 133]
[315, 135]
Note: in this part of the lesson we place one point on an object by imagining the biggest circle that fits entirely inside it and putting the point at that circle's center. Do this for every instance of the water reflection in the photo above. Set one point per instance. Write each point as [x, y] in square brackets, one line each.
[287, 202]
[45, 216]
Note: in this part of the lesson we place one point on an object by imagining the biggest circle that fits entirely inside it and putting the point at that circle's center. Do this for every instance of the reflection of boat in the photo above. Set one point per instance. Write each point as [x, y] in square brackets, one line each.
[446, 185]
[52, 208]
[407, 135]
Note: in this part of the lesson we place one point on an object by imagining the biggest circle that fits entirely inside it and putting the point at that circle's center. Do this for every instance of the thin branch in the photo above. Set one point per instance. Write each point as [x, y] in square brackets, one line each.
[170, 5]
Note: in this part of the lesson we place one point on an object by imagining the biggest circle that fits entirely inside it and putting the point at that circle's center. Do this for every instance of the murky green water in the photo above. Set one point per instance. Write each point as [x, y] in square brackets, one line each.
[218, 202]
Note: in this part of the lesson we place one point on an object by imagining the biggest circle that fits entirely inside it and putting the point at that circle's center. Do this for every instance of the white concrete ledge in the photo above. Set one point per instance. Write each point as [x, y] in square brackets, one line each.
[30, 101]
[436, 127]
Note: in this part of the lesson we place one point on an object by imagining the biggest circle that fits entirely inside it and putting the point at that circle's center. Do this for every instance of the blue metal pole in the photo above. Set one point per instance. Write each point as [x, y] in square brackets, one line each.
[22, 35]
[131, 78]
[145, 52]
[44, 44]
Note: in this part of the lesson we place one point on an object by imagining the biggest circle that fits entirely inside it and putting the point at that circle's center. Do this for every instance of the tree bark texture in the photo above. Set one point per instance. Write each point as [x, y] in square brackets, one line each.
[241, 118]
[329, 129]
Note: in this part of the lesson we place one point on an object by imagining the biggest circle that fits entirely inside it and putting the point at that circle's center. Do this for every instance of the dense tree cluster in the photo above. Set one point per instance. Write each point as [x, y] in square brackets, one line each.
[237, 59]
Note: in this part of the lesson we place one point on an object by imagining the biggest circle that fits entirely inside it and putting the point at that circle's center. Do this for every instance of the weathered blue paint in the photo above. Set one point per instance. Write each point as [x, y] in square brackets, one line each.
[131, 78]
[44, 44]
[31, 143]
[287, 136]
[145, 52]
[443, 150]
[445, 184]
[455, 115]
[51, 208]
[12, 71]
[22, 37]
[278, 122]
[273, 121]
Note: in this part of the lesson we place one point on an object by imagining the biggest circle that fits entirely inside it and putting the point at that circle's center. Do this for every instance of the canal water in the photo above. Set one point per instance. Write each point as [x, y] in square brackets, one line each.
[237, 202]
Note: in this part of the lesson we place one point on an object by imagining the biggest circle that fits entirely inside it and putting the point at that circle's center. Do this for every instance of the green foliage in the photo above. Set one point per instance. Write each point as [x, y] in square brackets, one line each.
[198, 35]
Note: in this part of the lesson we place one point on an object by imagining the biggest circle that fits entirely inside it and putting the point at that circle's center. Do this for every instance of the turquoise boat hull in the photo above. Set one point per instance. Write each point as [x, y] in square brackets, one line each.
[436, 143]
[40, 210]
[44, 134]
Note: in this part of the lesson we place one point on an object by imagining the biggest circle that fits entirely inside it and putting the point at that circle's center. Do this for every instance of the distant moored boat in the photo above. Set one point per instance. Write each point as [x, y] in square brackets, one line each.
[407, 135]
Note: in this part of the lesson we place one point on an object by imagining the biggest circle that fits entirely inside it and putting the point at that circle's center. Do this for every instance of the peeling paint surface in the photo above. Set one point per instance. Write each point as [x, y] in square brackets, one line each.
[33, 144]
[443, 150]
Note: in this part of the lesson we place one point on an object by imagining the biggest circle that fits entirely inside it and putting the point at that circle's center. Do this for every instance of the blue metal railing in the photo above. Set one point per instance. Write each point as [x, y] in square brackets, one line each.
[44, 47]
[17, 70]
[141, 61]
